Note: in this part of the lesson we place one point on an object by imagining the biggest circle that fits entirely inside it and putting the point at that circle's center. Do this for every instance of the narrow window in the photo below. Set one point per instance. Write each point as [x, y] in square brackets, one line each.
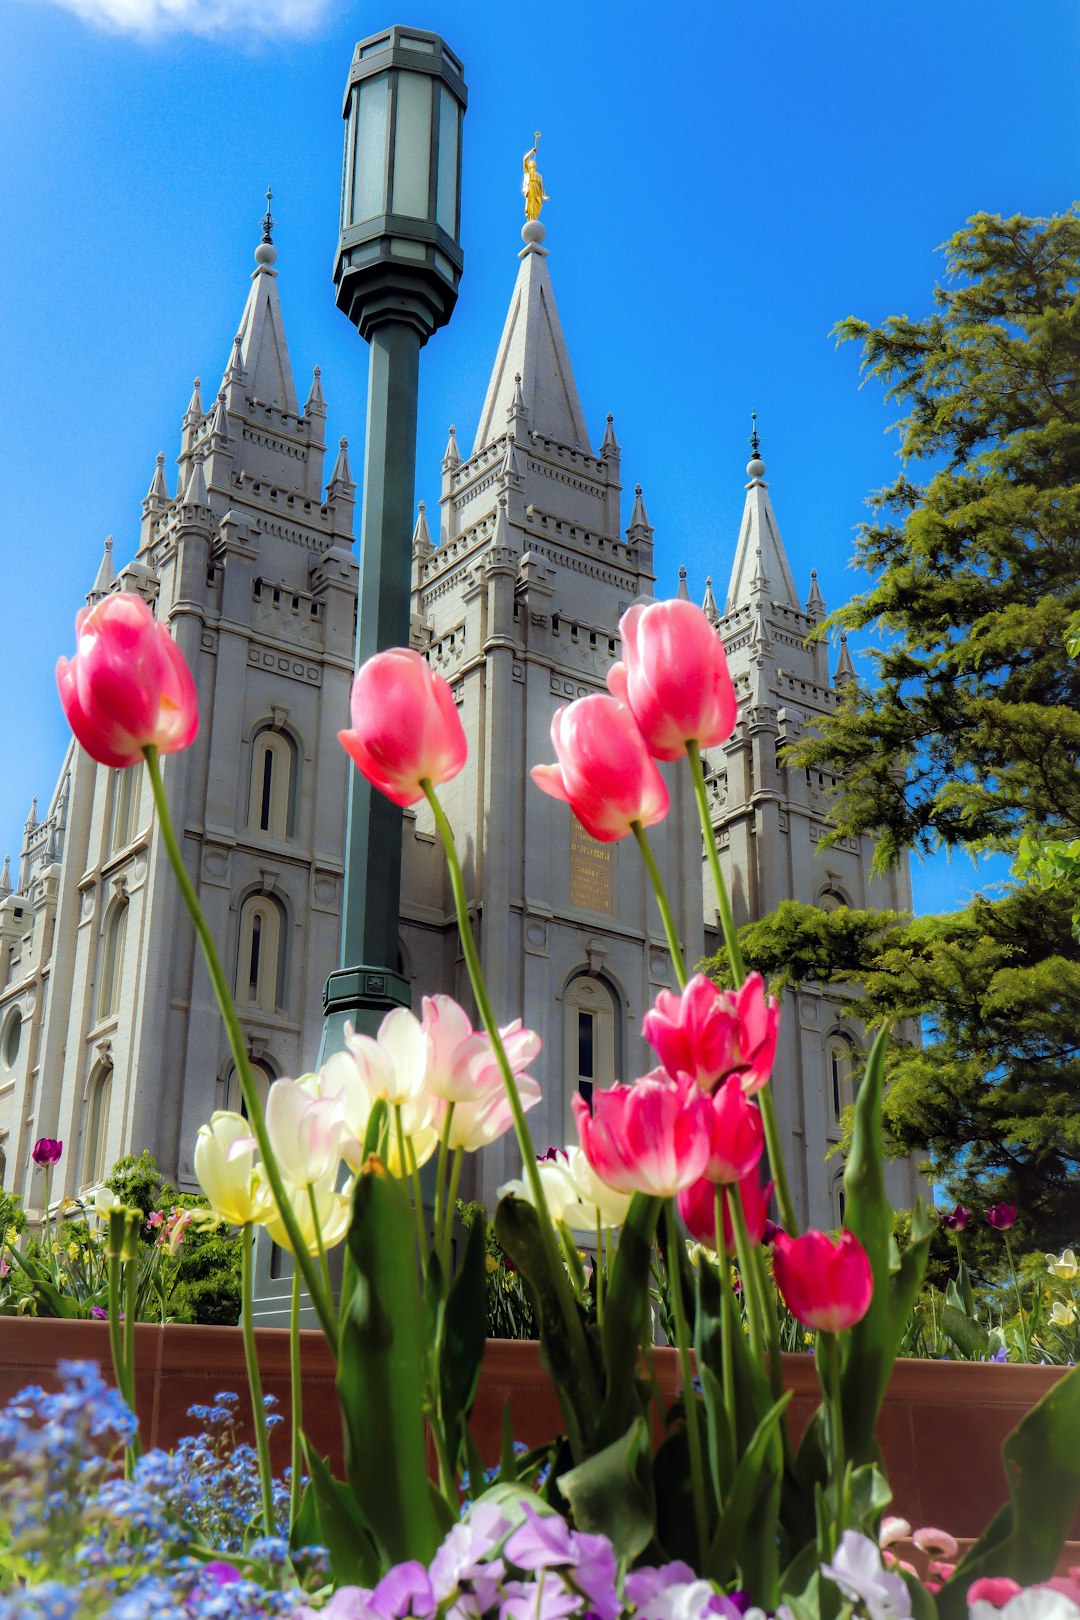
[272, 785]
[590, 1035]
[112, 961]
[260, 972]
[253, 969]
[267, 786]
[95, 1142]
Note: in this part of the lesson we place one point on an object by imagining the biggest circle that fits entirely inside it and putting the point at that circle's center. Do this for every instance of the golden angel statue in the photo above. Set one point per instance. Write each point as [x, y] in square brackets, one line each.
[532, 184]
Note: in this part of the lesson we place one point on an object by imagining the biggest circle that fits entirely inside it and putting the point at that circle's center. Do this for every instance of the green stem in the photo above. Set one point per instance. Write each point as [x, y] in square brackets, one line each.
[1024, 1332]
[598, 1272]
[316, 1225]
[746, 1274]
[113, 1252]
[777, 1165]
[406, 1179]
[323, 1303]
[48, 1229]
[723, 904]
[830, 1355]
[451, 1202]
[686, 1374]
[296, 1391]
[131, 1284]
[560, 1281]
[440, 1186]
[727, 1360]
[662, 901]
[258, 1410]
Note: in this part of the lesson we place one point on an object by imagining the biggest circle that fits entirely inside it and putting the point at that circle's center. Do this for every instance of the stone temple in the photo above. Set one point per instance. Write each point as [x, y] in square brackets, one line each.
[109, 1034]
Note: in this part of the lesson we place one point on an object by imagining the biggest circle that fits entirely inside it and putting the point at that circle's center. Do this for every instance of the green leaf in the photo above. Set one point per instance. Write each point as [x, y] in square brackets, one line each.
[381, 1372]
[625, 1318]
[970, 1337]
[610, 1494]
[517, 1228]
[743, 1520]
[462, 1340]
[1042, 1466]
[330, 1517]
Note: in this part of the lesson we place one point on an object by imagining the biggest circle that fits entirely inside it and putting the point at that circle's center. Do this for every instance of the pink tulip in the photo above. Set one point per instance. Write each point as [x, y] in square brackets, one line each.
[405, 726]
[461, 1063]
[697, 1206]
[46, 1150]
[993, 1589]
[674, 677]
[736, 1134]
[711, 1033]
[604, 772]
[128, 686]
[826, 1285]
[1002, 1216]
[651, 1137]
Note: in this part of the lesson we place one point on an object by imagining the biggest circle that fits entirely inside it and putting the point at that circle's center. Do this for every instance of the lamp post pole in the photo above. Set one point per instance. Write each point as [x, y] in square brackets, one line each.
[397, 272]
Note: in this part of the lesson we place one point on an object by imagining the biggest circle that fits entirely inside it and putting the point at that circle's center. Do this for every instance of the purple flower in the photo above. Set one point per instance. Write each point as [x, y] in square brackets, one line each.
[771, 1229]
[553, 1154]
[405, 1590]
[218, 1573]
[46, 1150]
[546, 1599]
[98, 1312]
[594, 1574]
[1001, 1216]
[465, 1555]
[542, 1542]
[957, 1221]
[643, 1584]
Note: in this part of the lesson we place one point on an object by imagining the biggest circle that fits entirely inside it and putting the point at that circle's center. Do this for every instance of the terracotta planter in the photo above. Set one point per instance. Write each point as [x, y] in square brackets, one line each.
[941, 1428]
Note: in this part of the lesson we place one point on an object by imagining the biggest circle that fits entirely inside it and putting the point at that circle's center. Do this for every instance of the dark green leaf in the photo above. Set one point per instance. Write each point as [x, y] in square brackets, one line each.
[610, 1495]
[330, 1517]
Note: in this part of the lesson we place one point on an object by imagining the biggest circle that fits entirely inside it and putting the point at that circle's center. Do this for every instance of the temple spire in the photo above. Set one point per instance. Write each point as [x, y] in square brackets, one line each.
[760, 557]
[421, 539]
[159, 489]
[708, 603]
[263, 351]
[106, 573]
[683, 592]
[532, 372]
[845, 669]
[451, 455]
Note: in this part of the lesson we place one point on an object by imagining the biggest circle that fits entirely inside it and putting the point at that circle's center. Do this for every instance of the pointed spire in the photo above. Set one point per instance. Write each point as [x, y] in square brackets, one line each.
[760, 558]
[609, 445]
[341, 477]
[683, 592]
[195, 492]
[451, 455]
[159, 489]
[421, 539]
[194, 413]
[708, 603]
[234, 371]
[511, 467]
[315, 401]
[640, 527]
[106, 574]
[264, 353]
[501, 537]
[219, 422]
[815, 604]
[32, 818]
[845, 669]
[6, 885]
[532, 376]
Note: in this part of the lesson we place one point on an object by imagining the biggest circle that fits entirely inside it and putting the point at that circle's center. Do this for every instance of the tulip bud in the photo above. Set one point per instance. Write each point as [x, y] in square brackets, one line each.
[405, 726]
[957, 1220]
[128, 686]
[46, 1151]
[736, 1133]
[1001, 1216]
[710, 1033]
[604, 771]
[826, 1285]
[225, 1168]
[650, 1137]
[674, 678]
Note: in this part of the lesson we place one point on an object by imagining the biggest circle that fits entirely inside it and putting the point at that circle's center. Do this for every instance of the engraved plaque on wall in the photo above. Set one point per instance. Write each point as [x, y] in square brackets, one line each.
[590, 872]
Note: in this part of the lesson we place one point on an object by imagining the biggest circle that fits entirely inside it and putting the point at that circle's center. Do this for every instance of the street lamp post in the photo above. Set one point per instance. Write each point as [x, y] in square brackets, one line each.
[397, 272]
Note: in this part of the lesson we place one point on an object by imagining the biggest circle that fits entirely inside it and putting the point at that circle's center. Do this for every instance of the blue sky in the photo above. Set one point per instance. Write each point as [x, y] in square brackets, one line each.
[726, 182]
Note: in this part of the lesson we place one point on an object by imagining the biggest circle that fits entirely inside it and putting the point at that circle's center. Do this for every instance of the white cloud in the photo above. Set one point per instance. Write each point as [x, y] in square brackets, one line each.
[153, 17]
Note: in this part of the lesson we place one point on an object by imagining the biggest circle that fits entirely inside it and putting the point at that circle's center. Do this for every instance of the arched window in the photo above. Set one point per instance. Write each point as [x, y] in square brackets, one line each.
[234, 1097]
[96, 1126]
[125, 806]
[272, 789]
[839, 1198]
[112, 960]
[3, 1163]
[832, 899]
[590, 1038]
[839, 1075]
[260, 964]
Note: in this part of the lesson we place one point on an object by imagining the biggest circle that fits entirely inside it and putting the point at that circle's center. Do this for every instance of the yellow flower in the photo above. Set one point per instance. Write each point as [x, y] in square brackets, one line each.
[73, 1251]
[491, 1264]
[1063, 1265]
[56, 1249]
[11, 1236]
[1062, 1315]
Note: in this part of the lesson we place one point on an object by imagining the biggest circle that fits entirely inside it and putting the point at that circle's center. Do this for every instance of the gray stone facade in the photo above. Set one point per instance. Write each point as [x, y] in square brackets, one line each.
[109, 1036]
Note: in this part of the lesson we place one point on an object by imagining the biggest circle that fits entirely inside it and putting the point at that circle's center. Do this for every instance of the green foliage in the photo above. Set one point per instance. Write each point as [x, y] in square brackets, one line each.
[509, 1312]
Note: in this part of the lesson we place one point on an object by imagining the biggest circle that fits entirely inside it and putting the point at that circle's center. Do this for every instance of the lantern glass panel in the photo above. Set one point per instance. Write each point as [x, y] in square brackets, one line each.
[446, 214]
[369, 162]
[412, 145]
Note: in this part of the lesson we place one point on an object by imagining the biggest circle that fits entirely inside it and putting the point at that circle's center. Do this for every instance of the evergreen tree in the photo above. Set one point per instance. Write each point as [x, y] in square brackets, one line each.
[968, 734]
